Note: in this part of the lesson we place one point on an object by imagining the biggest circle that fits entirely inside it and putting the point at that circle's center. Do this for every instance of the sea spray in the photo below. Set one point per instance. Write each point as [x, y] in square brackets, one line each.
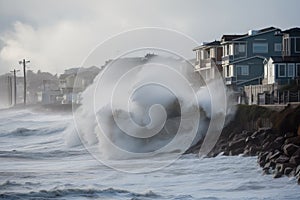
[143, 107]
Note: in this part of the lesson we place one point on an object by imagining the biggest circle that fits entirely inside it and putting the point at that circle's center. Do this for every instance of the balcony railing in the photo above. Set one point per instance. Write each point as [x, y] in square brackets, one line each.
[228, 58]
[230, 80]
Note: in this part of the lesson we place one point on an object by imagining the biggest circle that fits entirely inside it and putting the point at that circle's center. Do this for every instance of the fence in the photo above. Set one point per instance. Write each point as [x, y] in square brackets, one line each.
[279, 97]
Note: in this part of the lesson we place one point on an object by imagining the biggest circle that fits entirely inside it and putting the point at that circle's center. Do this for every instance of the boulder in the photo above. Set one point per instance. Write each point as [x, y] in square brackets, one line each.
[282, 166]
[277, 174]
[287, 171]
[293, 140]
[282, 159]
[297, 172]
[290, 149]
[270, 164]
[261, 160]
[297, 153]
[295, 160]
[279, 139]
[239, 144]
[268, 156]
[275, 155]
[289, 135]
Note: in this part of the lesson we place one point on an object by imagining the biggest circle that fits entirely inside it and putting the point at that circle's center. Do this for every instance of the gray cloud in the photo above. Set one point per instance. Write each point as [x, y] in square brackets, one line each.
[59, 34]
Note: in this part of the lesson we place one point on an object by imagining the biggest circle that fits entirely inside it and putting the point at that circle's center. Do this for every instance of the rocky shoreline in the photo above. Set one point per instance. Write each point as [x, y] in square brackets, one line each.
[274, 137]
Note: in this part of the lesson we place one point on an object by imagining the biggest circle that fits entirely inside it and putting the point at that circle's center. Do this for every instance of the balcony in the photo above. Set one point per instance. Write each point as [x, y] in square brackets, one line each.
[230, 80]
[227, 59]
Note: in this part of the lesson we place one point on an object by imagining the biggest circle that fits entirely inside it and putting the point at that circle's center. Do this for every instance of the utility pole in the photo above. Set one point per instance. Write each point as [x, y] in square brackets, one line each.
[23, 62]
[15, 85]
[9, 88]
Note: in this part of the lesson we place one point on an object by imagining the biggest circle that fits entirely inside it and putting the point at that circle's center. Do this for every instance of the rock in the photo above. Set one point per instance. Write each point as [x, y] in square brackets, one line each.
[251, 140]
[295, 160]
[297, 153]
[287, 171]
[298, 131]
[268, 156]
[279, 140]
[290, 149]
[266, 171]
[253, 151]
[239, 144]
[266, 146]
[262, 159]
[289, 135]
[297, 172]
[236, 151]
[277, 174]
[293, 140]
[270, 164]
[275, 155]
[281, 167]
[282, 159]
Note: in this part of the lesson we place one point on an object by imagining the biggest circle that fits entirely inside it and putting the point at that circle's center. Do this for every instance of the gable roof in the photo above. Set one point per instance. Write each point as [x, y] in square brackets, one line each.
[287, 59]
[209, 44]
[227, 38]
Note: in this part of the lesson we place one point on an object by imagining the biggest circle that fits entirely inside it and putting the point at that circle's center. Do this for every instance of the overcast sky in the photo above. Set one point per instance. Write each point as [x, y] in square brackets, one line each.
[59, 34]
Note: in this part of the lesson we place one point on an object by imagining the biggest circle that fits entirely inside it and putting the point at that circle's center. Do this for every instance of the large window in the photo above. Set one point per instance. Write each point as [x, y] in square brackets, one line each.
[281, 70]
[277, 47]
[242, 70]
[291, 69]
[260, 48]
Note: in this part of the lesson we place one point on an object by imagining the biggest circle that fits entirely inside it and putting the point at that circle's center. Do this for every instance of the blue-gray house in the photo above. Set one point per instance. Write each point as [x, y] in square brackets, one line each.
[244, 55]
[282, 70]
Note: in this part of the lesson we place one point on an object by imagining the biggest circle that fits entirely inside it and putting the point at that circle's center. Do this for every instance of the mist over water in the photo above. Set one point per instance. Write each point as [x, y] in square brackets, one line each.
[141, 107]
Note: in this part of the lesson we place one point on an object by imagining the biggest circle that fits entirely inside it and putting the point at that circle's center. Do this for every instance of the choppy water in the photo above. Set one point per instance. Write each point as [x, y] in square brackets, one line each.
[35, 163]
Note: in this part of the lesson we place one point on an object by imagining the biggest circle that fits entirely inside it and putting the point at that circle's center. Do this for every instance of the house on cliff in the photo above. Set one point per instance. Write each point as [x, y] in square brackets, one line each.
[208, 59]
[284, 69]
[278, 70]
[244, 55]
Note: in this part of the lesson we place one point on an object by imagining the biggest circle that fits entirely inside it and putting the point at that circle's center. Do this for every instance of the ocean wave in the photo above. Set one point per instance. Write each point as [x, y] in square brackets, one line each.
[12, 184]
[90, 193]
[38, 155]
[250, 185]
[21, 132]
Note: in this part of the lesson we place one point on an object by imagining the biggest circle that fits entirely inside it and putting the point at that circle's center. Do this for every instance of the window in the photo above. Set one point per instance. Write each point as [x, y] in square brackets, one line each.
[239, 49]
[212, 53]
[260, 47]
[297, 45]
[298, 70]
[291, 69]
[286, 46]
[277, 47]
[242, 70]
[281, 70]
[227, 71]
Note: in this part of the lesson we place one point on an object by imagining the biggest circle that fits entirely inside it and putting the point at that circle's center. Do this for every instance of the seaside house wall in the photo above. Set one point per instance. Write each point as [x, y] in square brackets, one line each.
[243, 55]
[284, 69]
[208, 59]
[279, 70]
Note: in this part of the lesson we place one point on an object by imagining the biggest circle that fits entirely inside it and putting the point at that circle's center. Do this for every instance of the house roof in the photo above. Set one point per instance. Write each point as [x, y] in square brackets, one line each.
[287, 59]
[250, 58]
[296, 29]
[209, 44]
[227, 38]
